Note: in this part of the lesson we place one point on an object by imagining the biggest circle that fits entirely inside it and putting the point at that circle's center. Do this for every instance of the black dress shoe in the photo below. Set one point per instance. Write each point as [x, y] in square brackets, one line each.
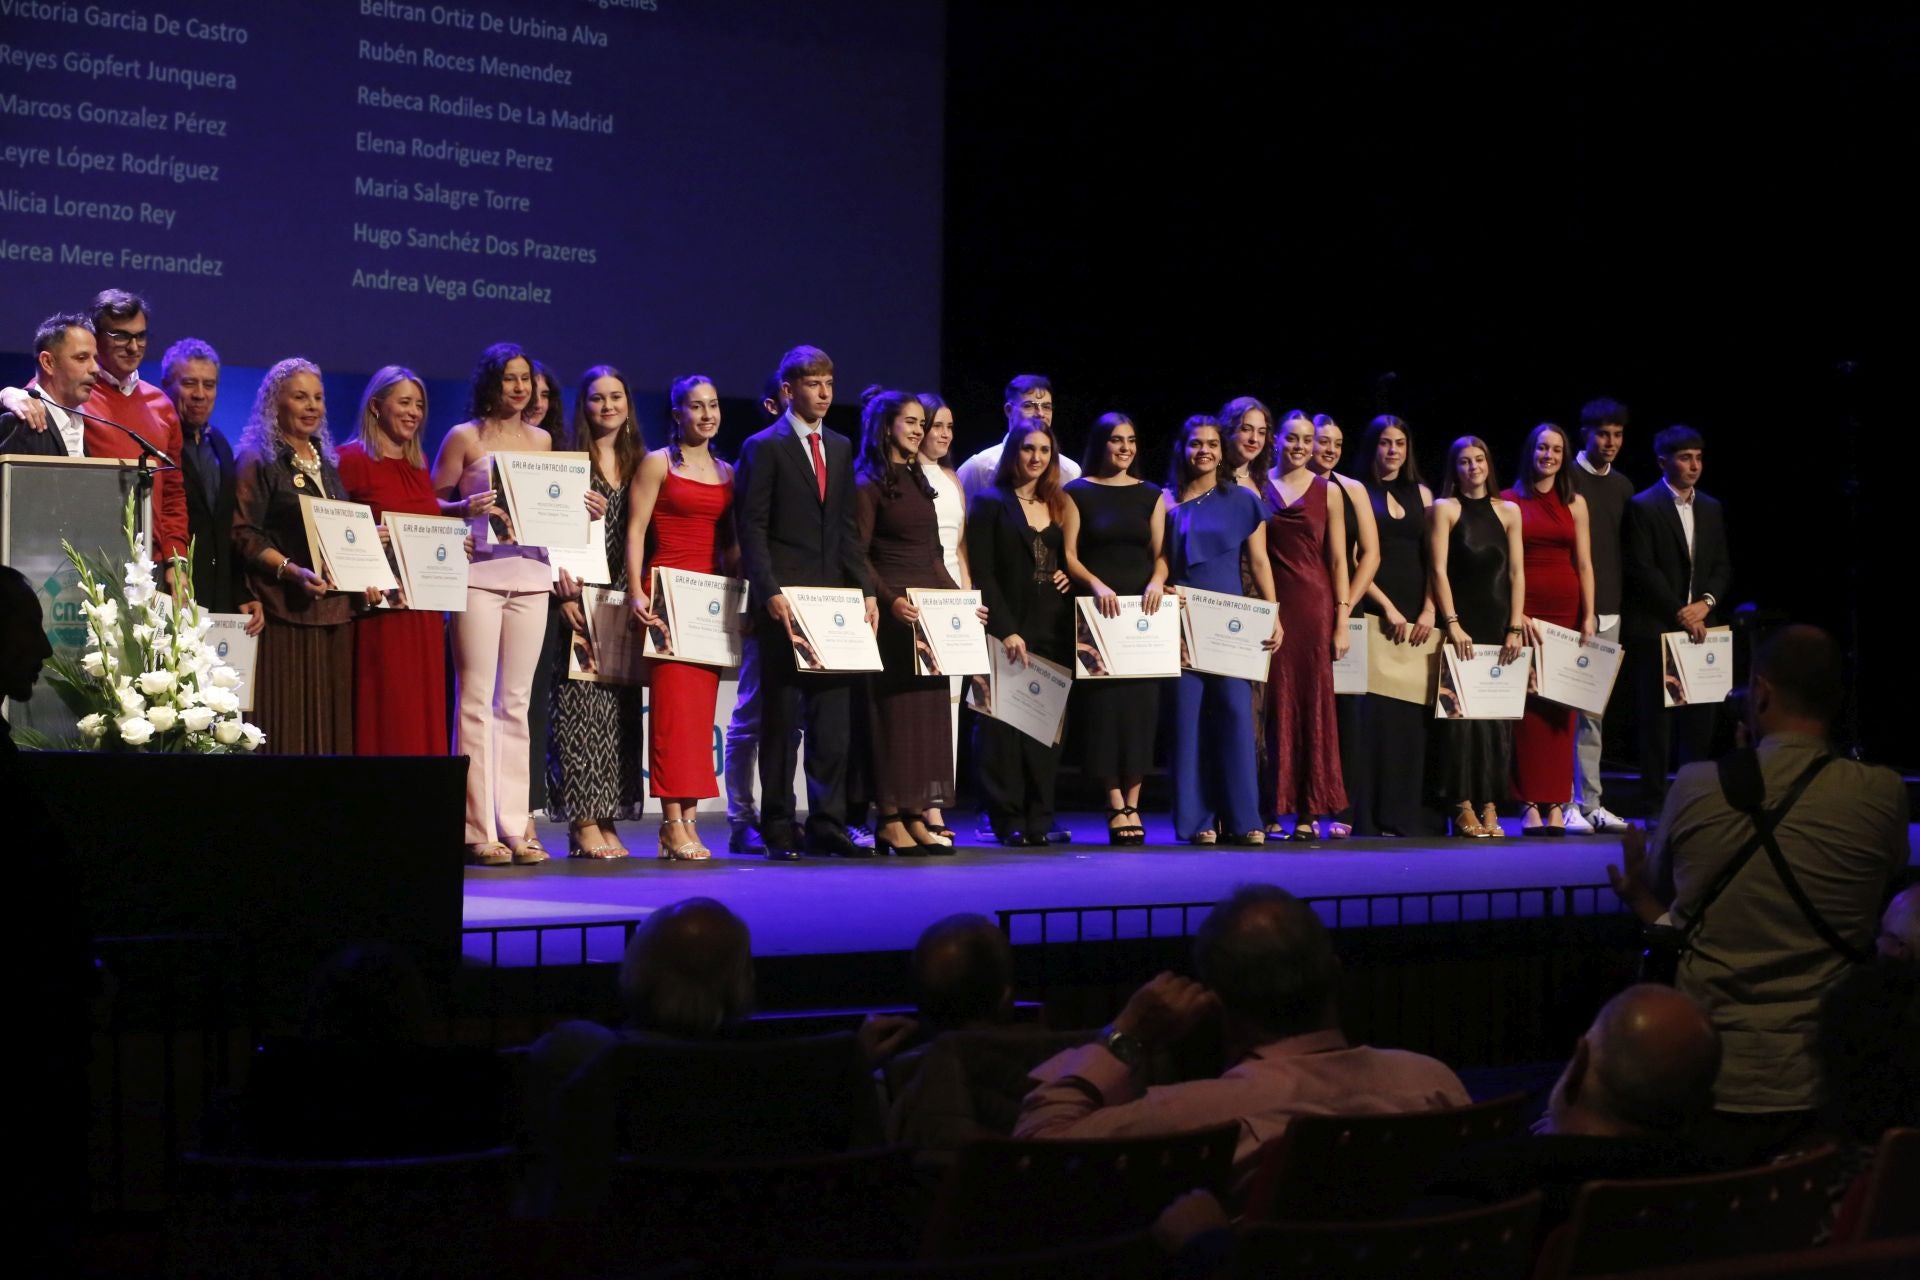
[836, 844]
[782, 853]
[1040, 841]
[745, 840]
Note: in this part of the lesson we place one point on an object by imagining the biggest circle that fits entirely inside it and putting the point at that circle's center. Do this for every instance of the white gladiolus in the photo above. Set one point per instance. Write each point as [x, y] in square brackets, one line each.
[94, 663]
[105, 615]
[162, 718]
[254, 736]
[135, 731]
[227, 732]
[197, 719]
[224, 677]
[93, 726]
[152, 682]
[143, 633]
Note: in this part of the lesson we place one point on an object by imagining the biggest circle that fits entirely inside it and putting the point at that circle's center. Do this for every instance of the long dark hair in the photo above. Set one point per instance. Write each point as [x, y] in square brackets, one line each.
[882, 408]
[1562, 479]
[1231, 415]
[1047, 486]
[1094, 461]
[554, 421]
[676, 401]
[1178, 477]
[933, 402]
[489, 374]
[576, 434]
[1451, 481]
[1404, 487]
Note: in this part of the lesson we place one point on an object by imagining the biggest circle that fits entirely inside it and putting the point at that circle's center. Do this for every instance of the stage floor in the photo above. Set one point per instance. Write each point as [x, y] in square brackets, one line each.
[827, 905]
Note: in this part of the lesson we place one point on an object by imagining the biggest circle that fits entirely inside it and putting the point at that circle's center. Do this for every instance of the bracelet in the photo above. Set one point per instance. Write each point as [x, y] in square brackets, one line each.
[280, 570]
[1516, 631]
[1450, 619]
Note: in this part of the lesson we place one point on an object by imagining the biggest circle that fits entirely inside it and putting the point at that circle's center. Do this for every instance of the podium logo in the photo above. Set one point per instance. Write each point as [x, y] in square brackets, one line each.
[1033, 687]
[1582, 662]
[351, 537]
[440, 552]
[953, 623]
[1233, 625]
[839, 619]
[713, 608]
[1493, 673]
[222, 650]
[1140, 624]
[553, 491]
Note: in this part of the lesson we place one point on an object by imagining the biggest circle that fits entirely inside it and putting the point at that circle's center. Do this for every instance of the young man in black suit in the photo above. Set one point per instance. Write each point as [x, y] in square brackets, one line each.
[795, 514]
[190, 375]
[1678, 577]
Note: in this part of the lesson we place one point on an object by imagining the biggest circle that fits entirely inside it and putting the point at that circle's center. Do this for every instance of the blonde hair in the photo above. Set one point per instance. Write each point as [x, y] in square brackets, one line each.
[262, 436]
[379, 387]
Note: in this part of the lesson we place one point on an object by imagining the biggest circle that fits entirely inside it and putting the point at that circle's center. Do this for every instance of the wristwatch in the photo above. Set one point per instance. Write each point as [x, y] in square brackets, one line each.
[1125, 1047]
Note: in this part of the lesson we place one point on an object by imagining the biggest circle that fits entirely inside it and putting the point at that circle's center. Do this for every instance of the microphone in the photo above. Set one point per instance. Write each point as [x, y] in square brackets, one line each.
[147, 448]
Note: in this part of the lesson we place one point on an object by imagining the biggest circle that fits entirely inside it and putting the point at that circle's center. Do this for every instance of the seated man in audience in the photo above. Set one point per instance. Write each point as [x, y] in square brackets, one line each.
[1266, 968]
[963, 974]
[1900, 926]
[1764, 950]
[1639, 1082]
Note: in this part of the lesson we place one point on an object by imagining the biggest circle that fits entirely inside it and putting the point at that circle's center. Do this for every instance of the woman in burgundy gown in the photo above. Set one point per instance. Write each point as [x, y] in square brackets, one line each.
[680, 516]
[399, 655]
[1306, 543]
[1559, 573]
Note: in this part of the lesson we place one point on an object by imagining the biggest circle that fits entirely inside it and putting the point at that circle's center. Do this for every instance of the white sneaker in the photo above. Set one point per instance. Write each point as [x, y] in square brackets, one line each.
[1577, 824]
[1602, 820]
[862, 836]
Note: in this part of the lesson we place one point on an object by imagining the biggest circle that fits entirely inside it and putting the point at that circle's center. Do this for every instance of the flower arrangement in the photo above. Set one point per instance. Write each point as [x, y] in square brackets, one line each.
[148, 681]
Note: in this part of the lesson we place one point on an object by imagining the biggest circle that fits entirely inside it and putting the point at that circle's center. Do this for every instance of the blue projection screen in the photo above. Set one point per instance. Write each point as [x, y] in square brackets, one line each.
[666, 184]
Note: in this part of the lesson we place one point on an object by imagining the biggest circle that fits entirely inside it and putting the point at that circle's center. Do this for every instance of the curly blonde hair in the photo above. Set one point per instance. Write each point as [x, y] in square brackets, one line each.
[262, 436]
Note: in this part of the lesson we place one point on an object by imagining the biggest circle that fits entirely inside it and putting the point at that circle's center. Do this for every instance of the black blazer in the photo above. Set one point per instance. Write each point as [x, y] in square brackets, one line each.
[1000, 555]
[17, 437]
[217, 583]
[1656, 562]
[788, 536]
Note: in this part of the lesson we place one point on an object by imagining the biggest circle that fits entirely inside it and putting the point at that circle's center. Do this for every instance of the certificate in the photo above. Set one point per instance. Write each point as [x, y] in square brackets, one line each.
[1482, 687]
[228, 639]
[1225, 634]
[1697, 672]
[948, 638]
[1350, 672]
[547, 496]
[702, 617]
[346, 546]
[830, 631]
[587, 564]
[1134, 645]
[1405, 671]
[1575, 674]
[610, 651]
[431, 552]
[1033, 699]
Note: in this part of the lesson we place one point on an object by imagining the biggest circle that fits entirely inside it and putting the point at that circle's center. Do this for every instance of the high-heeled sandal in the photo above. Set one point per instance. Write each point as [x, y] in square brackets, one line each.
[931, 842]
[1548, 827]
[529, 852]
[1308, 830]
[1206, 835]
[1135, 831]
[489, 855]
[686, 850]
[1466, 826]
[1490, 819]
[596, 852]
[914, 849]
[1338, 830]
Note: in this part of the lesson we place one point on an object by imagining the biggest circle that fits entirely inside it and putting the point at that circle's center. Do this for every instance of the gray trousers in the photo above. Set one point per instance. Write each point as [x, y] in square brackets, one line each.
[1587, 744]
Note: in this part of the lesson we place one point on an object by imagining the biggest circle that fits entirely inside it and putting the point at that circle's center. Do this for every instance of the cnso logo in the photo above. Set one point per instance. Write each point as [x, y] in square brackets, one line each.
[1494, 672]
[1140, 624]
[1033, 687]
[553, 491]
[351, 537]
[1711, 657]
[222, 650]
[440, 552]
[1582, 661]
[713, 607]
[1233, 625]
[953, 623]
[839, 619]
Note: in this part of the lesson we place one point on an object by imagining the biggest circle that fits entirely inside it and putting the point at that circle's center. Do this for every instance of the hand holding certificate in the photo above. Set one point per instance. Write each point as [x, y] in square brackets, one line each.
[610, 651]
[1697, 672]
[1574, 672]
[431, 553]
[948, 637]
[546, 496]
[587, 564]
[345, 544]
[1483, 687]
[829, 630]
[1030, 696]
[1131, 644]
[1350, 672]
[1227, 635]
[698, 617]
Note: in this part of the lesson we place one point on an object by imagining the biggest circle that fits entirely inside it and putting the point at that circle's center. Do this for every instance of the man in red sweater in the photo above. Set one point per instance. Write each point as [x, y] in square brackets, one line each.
[121, 395]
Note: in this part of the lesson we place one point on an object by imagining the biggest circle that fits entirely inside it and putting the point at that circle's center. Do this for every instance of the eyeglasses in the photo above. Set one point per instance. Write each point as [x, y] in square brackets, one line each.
[125, 338]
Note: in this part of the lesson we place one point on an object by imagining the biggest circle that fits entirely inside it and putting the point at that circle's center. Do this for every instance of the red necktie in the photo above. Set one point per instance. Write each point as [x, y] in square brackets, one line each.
[819, 464]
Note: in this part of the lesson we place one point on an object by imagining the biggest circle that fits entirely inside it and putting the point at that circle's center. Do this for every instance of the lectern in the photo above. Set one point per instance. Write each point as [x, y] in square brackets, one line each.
[83, 501]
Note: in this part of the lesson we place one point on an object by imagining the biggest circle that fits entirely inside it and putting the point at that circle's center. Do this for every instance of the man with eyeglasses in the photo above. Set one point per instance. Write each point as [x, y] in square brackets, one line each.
[121, 395]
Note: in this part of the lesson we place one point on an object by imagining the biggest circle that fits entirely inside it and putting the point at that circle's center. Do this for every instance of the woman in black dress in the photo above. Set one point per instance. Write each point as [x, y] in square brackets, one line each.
[1016, 549]
[1388, 781]
[1113, 549]
[1478, 578]
[900, 531]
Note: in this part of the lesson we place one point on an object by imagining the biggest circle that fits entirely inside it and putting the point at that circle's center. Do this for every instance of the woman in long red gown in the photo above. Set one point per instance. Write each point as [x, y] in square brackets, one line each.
[399, 655]
[1559, 575]
[1306, 543]
[680, 516]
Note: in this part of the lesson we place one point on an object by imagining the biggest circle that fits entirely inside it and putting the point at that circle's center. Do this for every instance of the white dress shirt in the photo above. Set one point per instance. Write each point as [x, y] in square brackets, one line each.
[72, 430]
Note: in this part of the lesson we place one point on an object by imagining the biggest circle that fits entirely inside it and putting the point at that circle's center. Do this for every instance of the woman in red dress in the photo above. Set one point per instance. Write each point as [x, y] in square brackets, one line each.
[1559, 574]
[680, 516]
[1306, 543]
[400, 654]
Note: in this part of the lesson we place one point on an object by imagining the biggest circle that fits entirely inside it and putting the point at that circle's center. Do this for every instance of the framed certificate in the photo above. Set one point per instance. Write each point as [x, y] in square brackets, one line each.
[546, 496]
[610, 651]
[232, 645]
[830, 631]
[1697, 673]
[702, 618]
[1350, 672]
[1225, 634]
[587, 564]
[1134, 645]
[1482, 687]
[346, 546]
[432, 556]
[1033, 699]
[1574, 674]
[948, 639]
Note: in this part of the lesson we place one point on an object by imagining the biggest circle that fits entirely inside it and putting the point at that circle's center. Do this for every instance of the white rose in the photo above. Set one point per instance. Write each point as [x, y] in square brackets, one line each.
[224, 677]
[197, 719]
[130, 700]
[92, 726]
[94, 663]
[223, 701]
[227, 732]
[135, 731]
[155, 681]
[162, 718]
[254, 735]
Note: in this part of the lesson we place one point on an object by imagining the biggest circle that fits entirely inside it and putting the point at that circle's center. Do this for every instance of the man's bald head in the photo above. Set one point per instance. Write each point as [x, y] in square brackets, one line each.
[689, 970]
[1900, 925]
[963, 969]
[1268, 958]
[1646, 1065]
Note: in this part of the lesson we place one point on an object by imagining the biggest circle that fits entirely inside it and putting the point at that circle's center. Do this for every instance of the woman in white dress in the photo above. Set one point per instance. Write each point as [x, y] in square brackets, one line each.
[950, 505]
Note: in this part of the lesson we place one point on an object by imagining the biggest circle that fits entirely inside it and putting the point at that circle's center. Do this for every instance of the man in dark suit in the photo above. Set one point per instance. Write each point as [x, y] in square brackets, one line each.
[795, 517]
[190, 375]
[67, 365]
[1678, 576]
